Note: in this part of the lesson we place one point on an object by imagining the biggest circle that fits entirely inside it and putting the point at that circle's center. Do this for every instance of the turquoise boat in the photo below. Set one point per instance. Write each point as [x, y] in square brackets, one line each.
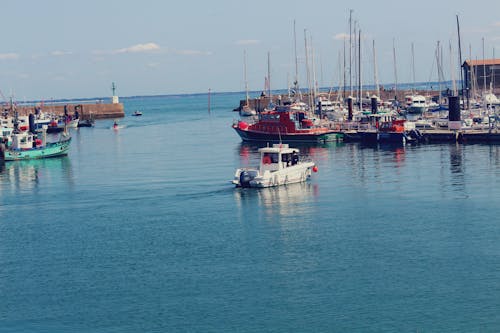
[26, 146]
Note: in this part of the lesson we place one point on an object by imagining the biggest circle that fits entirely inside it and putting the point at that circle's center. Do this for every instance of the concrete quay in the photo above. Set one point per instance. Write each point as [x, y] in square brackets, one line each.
[85, 110]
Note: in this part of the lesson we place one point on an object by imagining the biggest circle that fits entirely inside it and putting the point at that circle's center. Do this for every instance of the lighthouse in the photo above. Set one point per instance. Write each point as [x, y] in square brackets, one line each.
[114, 99]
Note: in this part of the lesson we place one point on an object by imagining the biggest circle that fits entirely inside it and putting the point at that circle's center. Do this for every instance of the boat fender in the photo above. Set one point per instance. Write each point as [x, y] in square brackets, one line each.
[266, 160]
[315, 168]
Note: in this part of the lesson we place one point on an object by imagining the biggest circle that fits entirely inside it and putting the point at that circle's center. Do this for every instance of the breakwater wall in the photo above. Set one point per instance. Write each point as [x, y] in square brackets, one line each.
[85, 110]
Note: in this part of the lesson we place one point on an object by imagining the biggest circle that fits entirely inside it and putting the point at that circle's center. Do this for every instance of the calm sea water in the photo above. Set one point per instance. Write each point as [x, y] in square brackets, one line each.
[139, 230]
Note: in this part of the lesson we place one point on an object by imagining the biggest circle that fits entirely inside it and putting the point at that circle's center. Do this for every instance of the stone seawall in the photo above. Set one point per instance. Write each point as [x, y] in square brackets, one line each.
[85, 110]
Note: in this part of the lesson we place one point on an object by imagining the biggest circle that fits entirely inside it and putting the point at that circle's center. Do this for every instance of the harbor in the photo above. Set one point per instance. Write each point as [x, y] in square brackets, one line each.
[125, 211]
[328, 169]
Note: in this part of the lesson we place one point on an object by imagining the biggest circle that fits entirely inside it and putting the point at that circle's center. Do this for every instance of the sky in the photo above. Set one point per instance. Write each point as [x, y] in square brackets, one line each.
[56, 49]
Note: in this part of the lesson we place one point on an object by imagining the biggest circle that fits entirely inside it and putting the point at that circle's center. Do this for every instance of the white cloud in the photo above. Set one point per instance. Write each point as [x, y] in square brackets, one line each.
[139, 48]
[9, 56]
[247, 42]
[60, 53]
[341, 36]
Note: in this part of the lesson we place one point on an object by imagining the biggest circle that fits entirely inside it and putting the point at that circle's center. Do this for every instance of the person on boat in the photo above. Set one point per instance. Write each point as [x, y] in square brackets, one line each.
[115, 124]
[295, 158]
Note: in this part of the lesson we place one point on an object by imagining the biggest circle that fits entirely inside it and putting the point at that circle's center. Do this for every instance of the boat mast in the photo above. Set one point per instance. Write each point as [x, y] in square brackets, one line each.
[245, 74]
[345, 82]
[395, 70]
[375, 73]
[269, 76]
[439, 70]
[359, 73]
[350, 50]
[484, 71]
[460, 63]
[308, 71]
[413, 68]
[314, 78]
[296, 82]
[455, 91]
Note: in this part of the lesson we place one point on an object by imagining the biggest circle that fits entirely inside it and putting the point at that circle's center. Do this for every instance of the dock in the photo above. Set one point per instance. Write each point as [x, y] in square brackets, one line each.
[463, 136]
[85, 110]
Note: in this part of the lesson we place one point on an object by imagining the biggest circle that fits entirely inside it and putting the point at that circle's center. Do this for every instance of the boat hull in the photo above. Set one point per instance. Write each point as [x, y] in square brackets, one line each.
[291, 175]
[50, 150]
[383, 137]
[311, 137]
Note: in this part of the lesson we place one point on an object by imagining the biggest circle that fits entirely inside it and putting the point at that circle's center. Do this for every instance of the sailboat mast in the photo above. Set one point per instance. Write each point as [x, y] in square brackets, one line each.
[345, 82]
[375, 73]
[484, 72]
[439, 70]
[413, 68]
[296, 83]
[452, 71]
[359, 73]
[313, 66]
[269, 76]
[307, 69]
[350, 49]
[395, 70]
[460, 61]
[245, 74]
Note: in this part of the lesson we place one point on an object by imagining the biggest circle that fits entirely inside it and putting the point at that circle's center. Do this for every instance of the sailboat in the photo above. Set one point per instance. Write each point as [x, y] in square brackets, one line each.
[246, 110]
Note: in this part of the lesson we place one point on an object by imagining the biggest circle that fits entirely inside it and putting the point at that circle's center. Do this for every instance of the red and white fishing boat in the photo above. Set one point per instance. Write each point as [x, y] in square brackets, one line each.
[284, 123]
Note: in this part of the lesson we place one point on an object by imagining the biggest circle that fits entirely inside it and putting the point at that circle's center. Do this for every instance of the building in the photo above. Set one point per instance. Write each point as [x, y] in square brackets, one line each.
[481, 74]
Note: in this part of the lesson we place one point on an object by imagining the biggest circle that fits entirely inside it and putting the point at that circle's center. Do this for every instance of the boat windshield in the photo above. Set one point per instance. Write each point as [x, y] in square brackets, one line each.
[268, 158]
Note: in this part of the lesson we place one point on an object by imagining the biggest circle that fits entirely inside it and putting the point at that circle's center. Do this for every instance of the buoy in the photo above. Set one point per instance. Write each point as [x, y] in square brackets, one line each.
[315, 168]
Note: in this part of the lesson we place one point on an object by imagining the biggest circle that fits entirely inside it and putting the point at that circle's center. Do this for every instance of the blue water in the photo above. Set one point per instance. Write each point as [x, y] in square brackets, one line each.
[139, 230]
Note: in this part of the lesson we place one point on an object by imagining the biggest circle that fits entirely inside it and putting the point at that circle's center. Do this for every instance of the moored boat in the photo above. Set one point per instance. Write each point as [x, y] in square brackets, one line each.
[284, 124]
[279, 165]
[416, 104]
[25, 145]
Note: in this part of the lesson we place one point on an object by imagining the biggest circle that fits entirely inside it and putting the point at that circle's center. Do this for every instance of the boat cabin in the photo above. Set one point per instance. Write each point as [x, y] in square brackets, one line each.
[278, 157]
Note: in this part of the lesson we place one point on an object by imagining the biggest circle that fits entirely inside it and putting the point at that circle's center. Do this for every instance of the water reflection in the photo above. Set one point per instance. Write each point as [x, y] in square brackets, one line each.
[29, 175]
[281, 201]
[457, 168]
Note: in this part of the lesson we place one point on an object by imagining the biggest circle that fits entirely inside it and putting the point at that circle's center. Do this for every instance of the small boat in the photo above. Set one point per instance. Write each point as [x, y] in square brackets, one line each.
[86, 123]
[25, 145]
[137, 113]
[247, 111]
[279, 165]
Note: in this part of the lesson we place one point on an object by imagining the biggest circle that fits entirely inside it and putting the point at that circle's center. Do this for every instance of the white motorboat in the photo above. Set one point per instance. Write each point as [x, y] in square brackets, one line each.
[416, 104]
[279, 165]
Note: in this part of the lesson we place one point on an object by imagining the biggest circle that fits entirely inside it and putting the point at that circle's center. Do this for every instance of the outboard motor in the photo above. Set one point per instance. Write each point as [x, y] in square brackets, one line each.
[245, 179]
